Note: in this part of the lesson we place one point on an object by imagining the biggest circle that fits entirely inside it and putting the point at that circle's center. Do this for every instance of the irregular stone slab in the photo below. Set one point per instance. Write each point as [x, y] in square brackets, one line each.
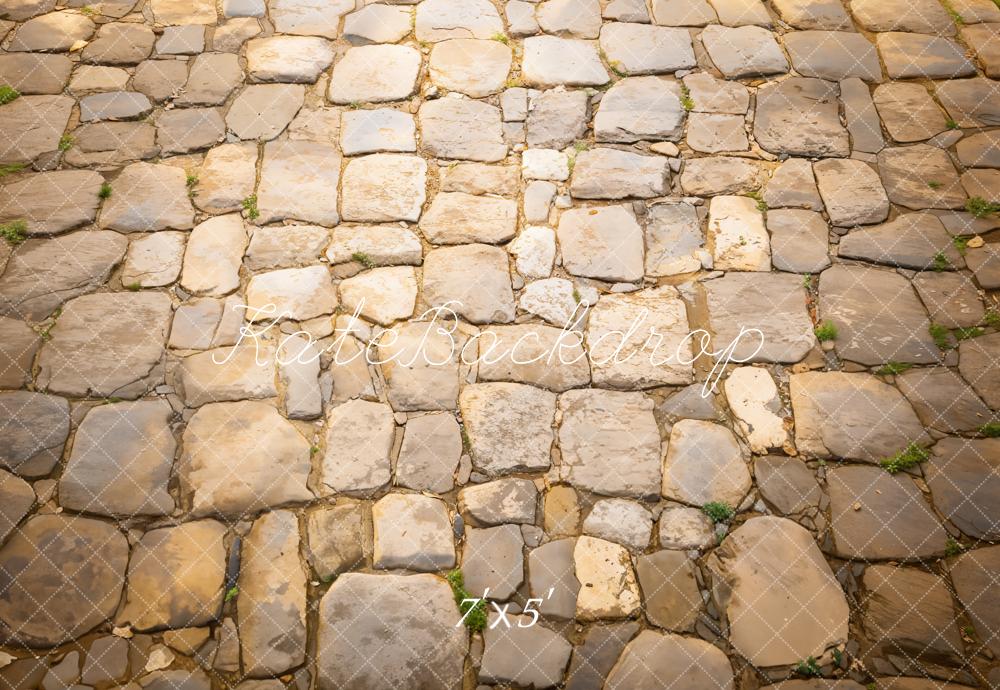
[753, 398]
[213, 257]
[161, 80]
[813, 14]
[761, 567]
[383, 295]
[291, 293]
[833, 55]
[670, 590]
[227, 177]
[893, 522]
[852, 416]
[374, 74]
[298, 59]
[32, 74]
[715, 175]
[18, 498]
[985, 266]
[18, 345]
[19, 10]
[129, 439]
[181, 40]
[534, 251]
[624, 522]
[31, 126]
[894, 624]
[384, 245]
[618, 330]
[473, 280]
[686, 528]
[377, 24]
[800, 117]
[191, 129]
[608, 585]
[74, 564]
[523, 653]
[421, 367]
[861, 116]
[544, 357]
[501, 501]
[653, 659]
[121, 44]
[746, 51]
[309, 17]
[55, 32]
[114, 105]
[799, 240]
[970, 102]
[851, 191]
[373, 131]
[430, 453]
[916, 56]
[551, 569]
[176, 577]
[556, 118]
[737, 235]
[908, 171]
[912, 240]
[509, 426]
[549, 61]
[976, 364]
[609, 442]
[682, 12]
[604, 243]
[339, 538]
[272, 594]
[220, 473]
[285, 246]
[712, 133]
[35, 427]
[962, 477]
[674, 240]
[215, 75]
[788, 484]
[711, 95]
[896, 331]
[644, 49]
[295, 182]
[921, 16]
[704, 464]
[942, 400]
[640, 108]
[106, 345]
[778, 303]
[170, 12]
[568, 18]
[262, 111]
[359, 440]
[459, 218]
[384, 187]
[52, 202]
[439, 20]
[412, 531]
[421, 642]
[474, 67]
[148, 197]
[793, 185]
[464, 129]
[612, 174]
[480, 179]
[492, 561]
[909, 112]
[225, 374]
[973, 575]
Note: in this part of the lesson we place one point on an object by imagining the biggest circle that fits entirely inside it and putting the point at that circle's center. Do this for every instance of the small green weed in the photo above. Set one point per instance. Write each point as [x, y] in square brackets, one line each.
[911, 456]
[961, 244]
[893, 368]
[8, 94]
[250, 206]
[363, 259]
[15, 231]
[952, 547]
[940, 262]
[941, 336]
[992, 318]
[232, 593]
[9, 168]
[968, 332]
[990, 430]
[951, 124]
[65, 142]
[980, 207]
[826, 331]
[808, 668]
[105, 192]
[501, 38]
[133, 287]
[717, 511]
[934, 184]
[686, 101]
[474, 612]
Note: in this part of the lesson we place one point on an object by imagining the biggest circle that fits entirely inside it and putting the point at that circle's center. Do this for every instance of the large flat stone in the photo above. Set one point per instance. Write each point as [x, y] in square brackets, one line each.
[917, 56]
[509, 426]
[31, 126]
[833, 55]
[412, 532]
[35, 427]
[605, 173]
[474, 67]
[640, 108]
[461, 129]
[746, 51]
[375, 74]
[604, 243]
[800, 117]
[645, 49]
[296, 179]
[549, 61]
[912, 240]
[653, 659]
[851, 192]
[704, 464]
[384, 187]
[148, 197]
[907, 173]
[471, 280]
[358, 444]
[963, 479]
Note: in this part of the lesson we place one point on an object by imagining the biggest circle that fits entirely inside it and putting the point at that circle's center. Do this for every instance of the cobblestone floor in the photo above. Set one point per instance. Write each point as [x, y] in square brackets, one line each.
[215, 476]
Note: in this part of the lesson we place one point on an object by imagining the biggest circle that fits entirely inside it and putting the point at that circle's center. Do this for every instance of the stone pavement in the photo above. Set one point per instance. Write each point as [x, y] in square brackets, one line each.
[187, 507]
